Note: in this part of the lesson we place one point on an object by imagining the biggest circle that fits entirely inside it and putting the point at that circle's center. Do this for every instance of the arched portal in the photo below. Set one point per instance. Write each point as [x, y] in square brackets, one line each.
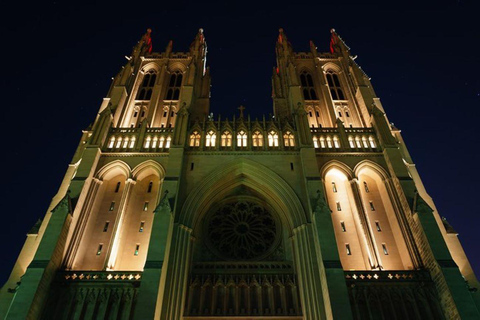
[242, 205]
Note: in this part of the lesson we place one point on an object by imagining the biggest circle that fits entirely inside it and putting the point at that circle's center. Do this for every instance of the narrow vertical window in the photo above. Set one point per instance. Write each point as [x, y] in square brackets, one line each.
[308, 88]
[112, 206]
[334, 85]
[339, 207]
[347, 247]
[377, 225]
[315, 142]
[167, 144]
[334, 187]
[150, 185]
[173, 91]
[99, 250]
[291, 166]
[117, 187]
[342, 224]
[372, 207]
[145, 206]
[385, 250]
[191, 166]
[365, 185]
[137, 248]
[142, 226]
[105, 227]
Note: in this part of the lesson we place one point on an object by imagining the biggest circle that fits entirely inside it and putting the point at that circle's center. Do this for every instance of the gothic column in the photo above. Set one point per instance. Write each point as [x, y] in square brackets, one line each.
[309, 273]
[452, 278]
[84, 208]
[174, 279]
[118, 226]
[337, 288]
[32, 293]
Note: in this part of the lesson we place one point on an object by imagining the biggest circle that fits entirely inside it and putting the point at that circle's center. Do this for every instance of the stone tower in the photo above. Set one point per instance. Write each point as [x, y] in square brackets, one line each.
[166, 212]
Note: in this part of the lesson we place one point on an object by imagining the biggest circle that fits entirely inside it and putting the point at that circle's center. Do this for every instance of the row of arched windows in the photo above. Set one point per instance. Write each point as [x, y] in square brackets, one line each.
[242, 140]
[361, 142]
[157, 142]
[322, 142]
[121, 142]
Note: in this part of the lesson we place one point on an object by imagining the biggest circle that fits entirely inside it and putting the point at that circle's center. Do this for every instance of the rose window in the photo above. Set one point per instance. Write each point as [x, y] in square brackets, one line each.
[241, 230]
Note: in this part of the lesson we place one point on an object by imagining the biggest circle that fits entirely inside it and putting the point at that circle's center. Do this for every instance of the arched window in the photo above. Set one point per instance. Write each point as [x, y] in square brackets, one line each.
[351, 142]
[210, 139]
[315, 142]
[257, 139]
[329, 142]
[334, 85]
[288, 139]
[272, 139]
[154, 142]
[147, 142]
[226, 139]
[145, 91]
[306, 81]
[365, 142]
[358, 142]
[132, 142]
[119, 143]
[173, 90]
[323, 145]
[336, 142]
[167, 145]
[111, 143]
[125, 143]
[372, 142]
[161, 141]
[195, 139]
[242, 139]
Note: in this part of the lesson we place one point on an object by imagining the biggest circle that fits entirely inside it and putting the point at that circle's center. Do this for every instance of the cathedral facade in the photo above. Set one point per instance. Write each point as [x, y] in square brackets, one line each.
[167, 212]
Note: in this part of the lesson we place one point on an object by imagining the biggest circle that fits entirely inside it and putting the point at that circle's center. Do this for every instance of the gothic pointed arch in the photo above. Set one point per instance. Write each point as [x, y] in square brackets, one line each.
[338, 165]
[117, 166]
[251, 174]
[147, 167]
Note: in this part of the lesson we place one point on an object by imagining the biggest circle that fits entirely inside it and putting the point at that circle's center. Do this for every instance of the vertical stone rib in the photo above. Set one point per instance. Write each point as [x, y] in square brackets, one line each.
[117, 228]
[366, 227]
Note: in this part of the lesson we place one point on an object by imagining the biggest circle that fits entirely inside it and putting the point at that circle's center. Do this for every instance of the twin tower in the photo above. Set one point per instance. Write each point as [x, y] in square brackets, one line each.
[166, 212]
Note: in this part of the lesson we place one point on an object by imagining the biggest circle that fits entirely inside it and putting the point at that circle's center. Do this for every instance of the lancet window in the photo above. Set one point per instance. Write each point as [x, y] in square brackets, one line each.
[272, 139]
[242, 139]
[195, 139]
[308, 88]
[145, 91]
[288, 139]
[210, 139]
[257, 139]
[226, 139]
[334, 85]
[173, 91]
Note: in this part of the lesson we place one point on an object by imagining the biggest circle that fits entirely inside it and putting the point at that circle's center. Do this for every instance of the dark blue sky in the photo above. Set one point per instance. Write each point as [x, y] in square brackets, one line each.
[59, 57]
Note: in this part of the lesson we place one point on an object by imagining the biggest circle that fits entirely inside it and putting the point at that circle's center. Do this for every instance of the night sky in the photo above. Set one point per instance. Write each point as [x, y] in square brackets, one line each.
[58, 59]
